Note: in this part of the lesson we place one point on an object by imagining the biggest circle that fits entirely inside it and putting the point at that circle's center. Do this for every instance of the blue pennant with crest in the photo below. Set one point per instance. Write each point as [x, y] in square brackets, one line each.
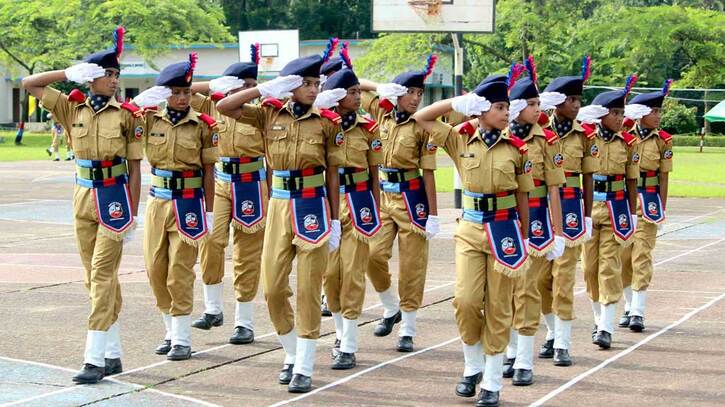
[620, 216]
[506, 243]
[572, 212]
[416, 204]
[364, 212]
[310, 218]
[191, 216]
[113, 207]
[247, 203]
[651, 206]
[541, 234]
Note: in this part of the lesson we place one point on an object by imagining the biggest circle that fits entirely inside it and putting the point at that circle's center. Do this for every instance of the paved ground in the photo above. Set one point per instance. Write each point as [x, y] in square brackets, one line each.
[678, 360]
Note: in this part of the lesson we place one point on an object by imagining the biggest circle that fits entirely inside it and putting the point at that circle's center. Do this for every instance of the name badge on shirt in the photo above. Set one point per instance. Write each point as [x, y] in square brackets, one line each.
[157, 135]
[467, 155]
[278, 127]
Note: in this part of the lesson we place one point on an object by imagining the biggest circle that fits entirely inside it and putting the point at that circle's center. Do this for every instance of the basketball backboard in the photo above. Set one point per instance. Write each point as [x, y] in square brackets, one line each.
[474, 16]
[277, 48]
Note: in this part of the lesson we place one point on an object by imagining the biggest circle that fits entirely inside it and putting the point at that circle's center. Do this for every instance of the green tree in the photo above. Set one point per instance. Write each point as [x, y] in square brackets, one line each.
[392, 54]
[678, 118]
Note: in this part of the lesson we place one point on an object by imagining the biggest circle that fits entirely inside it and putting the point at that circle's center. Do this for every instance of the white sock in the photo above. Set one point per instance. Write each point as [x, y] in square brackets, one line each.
[167, 325]
[289, 344]
[493, 372]
[348, 343]
[627, 298]
[407, 325]
[337, 318]
[562, 339]
[597, 310]
[638, 303]
[305, 359]
[550, 325]
[213, 300]
[525, 353]
[113, 342]
[95, 348]
[243, 315]
[181, 330]
[391, 302]
[609, 315]
[472, 359]
[513, 343]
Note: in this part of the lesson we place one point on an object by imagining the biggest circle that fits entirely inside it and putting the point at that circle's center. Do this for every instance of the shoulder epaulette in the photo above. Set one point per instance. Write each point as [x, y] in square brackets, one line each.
[551, 137]
[275, 103]
[76, 96]
[518, 143]
[331, 116]
[628, 123]
[589, 130]
[468, 129]
[386, 105]
[370, 125]
[208, 120]
[150, 109]
[216, 96]
[665, 136]
[628, 138]
[135, 110]
[543, 119]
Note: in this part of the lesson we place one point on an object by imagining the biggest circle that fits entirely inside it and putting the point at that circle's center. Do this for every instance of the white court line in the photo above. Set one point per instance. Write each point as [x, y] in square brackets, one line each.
[688, 252]
[624, 353]
[180, 397]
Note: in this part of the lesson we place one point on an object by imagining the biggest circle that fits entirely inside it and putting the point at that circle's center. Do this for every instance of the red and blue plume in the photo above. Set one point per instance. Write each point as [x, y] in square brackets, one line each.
[429, 65]
[193, 57]
[254, 52]
[531, 67]
[330, 49]
[631, 80]
[586, 68]
[666, 87]
[345, 55]
[118, 40]
[514, 72]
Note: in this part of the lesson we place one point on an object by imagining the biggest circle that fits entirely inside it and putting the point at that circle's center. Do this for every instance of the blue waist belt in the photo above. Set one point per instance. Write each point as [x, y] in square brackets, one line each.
[397, 180]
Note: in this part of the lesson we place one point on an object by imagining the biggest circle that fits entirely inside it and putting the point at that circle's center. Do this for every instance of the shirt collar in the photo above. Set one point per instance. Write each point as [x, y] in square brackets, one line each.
[349, 120]
[311, 111]
[401, 117]
[520, 130]
[606, 134]
[644, 133]
[101, 101]
[191, 116]
[563, 126]
[489, 138]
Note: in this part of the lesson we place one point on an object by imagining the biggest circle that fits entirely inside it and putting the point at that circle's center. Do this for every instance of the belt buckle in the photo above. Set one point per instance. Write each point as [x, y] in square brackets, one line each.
[96, 174]
[166, 182]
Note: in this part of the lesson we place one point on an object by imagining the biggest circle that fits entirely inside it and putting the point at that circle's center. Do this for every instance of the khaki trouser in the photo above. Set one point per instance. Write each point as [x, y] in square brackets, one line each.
[246, 245]
[526, 299]
[412, 253]
[601, 259]
[556, 285]
[101, 258]
[344, 281]
[637, 258]
[169, 260]
[479, 287]
[277, 256]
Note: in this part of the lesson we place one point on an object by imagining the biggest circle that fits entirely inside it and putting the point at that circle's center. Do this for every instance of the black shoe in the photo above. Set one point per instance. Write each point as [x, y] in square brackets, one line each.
[385, 326]
[595, 330]
[300, 384]
[487, 399]
[241, 336]
[56, 159]
[603, 339]
[113, 366]
[344, 361]
[90, 374]
[323, 307]
[467, 386]
[547, 349]
[523, 377]
[285, 375]
[206, 321]
[637, 323]
[624, 320]
[49, 151]
[508, 368]
[68, 159]
[179, 352]
[561, 357]
[405, 344]
[164, 347]
[335, 349]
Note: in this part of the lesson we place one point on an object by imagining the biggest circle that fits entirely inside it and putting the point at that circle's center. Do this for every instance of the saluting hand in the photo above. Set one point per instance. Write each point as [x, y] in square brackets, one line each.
[391, 91]
[280, 87]
[225, 84]
[329, 98]
[84, 72]
[470, 104]
[152, 96]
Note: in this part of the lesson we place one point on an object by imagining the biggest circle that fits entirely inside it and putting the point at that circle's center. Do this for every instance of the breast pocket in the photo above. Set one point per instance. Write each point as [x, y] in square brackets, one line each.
[188, 148]
[277, 145]
[472, 174]
[504, 176]
[312, 147]
[407, 147]
[111, 141]
[650, 158]
[573, 155]
[156, 147]
[79, 138]
[617, 159]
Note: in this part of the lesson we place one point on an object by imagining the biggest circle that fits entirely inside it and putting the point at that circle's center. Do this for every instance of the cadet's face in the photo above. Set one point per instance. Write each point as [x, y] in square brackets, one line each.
[180, 98]
[106, 85]
[410, 101]
[613, 120]
[352, 101]
[496, 118]
[570, 108]
[248, 84]
[652, 120]
[530, 114]
[307, 93]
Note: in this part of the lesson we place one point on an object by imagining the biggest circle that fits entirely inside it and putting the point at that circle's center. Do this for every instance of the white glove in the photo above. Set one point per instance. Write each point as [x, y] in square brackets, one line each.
[391, 91]
[470, 104]
[323, 79]
[210, 221]
[526, 244]
[84, 72]
[225, 84]
[280, 87]
[129, 236]
[432, 227]
[550, 100]
[152, 96]
[634, 222]
[636, 111]
[329, 98]
[592, 114]
[515, 107]
[558, 249]
[588, 227]
[335, 235]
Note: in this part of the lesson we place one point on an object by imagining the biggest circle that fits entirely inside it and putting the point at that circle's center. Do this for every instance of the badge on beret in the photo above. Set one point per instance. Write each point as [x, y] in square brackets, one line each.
[138, 132]
[376, 145]
[635, 158]
[528, 166]
[431, 147]
[558, 160]
[215, 139]
[339, 139]
[667, 154]
[594, 151]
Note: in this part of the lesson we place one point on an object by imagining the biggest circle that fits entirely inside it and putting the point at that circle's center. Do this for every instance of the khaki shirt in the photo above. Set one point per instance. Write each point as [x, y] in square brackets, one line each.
[546, 157]
[618, 158]
[454, 118]
[187, 145]
[405, 145]
[294, 144]
[236, 139]
[360, 145]
[484, 170]
[654, 152]
[581, 153]
[110, 132]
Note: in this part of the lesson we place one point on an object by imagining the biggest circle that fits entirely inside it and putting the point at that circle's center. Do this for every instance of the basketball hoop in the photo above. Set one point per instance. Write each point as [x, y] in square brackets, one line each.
[428, 9]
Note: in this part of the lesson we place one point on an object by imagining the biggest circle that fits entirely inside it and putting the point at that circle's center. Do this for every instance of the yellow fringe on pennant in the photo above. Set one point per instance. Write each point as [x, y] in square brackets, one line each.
[359, 236]
[417, 230]
[509, 272]
[192, 242]
[307, 246]
[250, 229]
[115, 235]
[624, 243]
[575, 242]
[541, 253]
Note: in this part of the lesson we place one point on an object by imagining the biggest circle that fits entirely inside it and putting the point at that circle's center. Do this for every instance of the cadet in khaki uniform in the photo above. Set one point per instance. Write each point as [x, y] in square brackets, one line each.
[59, 136]
[546, 242]
[655, 152]
[613, 217]
[408, 206]
[490, 240]
[240, 200]
[107, 138]
[181, 148]
[581, 159]
[302, 220]
[360, 149]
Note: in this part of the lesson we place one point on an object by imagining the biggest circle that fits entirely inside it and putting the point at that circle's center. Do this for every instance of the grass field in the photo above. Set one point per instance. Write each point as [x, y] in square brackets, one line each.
[695, 174]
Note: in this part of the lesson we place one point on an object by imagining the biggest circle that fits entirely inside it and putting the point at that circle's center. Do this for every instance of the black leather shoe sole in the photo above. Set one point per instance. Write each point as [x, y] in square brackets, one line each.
[523, 377]
[89, 375]
[467, 386]
[636, 325]
[344, 362]
[163, 348]
[405, 344]
[561, 359]
[601, 340]
[242, 336]
[179, 353]
[300, 384]
[385, 326]
[207, 321]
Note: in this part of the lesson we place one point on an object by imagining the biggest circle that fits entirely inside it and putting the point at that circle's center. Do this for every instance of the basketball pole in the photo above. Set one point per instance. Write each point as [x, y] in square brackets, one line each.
[458, 90]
